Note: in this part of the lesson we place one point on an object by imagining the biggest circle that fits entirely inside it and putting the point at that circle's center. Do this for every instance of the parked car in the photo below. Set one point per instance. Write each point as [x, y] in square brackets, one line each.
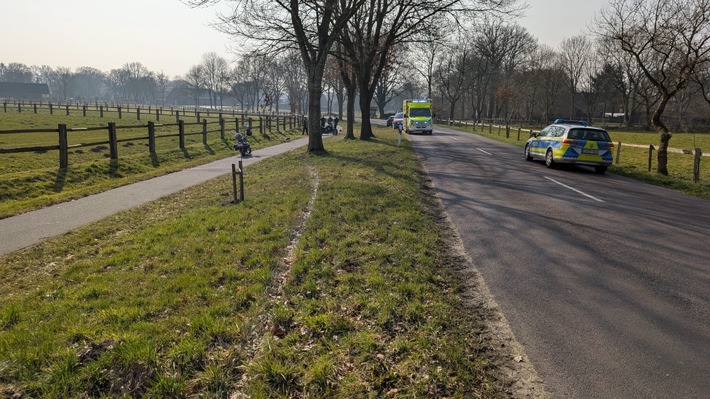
[571, 142]
[398, 121]
[389, 120]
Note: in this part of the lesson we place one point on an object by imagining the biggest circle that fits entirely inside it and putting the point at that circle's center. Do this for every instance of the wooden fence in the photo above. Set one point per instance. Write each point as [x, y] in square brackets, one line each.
[265, 123]
[110, 110]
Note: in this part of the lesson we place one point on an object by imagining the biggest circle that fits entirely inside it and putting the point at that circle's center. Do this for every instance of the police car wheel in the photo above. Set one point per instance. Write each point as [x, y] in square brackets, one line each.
[549, 159]
[600, 169]
[527, 153]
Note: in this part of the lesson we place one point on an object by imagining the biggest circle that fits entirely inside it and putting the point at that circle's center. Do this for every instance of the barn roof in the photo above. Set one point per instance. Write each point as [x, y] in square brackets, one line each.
[12, 89]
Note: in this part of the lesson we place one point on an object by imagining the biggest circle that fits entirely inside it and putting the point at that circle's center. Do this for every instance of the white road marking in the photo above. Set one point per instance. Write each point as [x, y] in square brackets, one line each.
[574, 189]
[484, 151]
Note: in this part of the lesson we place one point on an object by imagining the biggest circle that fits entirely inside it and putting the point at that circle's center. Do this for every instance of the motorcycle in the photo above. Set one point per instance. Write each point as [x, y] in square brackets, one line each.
[329, 129]
[242, 144]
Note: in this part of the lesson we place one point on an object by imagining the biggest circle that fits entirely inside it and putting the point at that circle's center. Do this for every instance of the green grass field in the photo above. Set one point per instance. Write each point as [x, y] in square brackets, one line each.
[330, 280]
[33, 179]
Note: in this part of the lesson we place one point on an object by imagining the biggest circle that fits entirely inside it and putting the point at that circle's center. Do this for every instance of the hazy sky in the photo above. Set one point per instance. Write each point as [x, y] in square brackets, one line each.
[166, 35]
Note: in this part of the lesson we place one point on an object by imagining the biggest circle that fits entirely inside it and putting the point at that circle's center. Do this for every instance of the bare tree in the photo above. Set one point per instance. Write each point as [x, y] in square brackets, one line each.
[195, 77]
[15, 72]
[295, 82]
[573, 58]
[161, 80]
[669, 39]
[452, 74]
[66, 76]
[379, 26]
[311, 26]
[390, 84]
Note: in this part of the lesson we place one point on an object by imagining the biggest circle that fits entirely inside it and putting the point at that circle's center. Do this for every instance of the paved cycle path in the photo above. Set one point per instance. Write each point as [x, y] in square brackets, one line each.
[30, 228]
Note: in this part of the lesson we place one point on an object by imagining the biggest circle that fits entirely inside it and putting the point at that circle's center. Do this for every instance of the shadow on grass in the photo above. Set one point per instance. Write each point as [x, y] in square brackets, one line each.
[60, 180]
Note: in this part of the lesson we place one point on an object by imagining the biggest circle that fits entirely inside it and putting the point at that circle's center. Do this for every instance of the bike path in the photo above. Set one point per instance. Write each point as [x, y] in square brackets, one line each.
[30, 228]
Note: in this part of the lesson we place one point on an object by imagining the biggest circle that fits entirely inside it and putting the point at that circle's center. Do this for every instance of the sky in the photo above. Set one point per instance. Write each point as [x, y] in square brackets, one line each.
[170, 37]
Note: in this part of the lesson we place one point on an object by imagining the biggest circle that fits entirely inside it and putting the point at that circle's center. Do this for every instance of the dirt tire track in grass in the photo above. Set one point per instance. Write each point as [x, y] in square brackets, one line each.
[264, 326]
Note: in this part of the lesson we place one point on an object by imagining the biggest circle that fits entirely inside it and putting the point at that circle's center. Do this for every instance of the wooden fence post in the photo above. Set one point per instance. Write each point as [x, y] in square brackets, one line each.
[138, 113]
[236, 123]
[204, 131]
[234, 183]
[181, 128]
[51, 109]
[151, 137]
[618, 151]
[518, 134]
[101, 111]
[696, 165]
[197, 114]
[241, 180]
[650, 156]
[261, 125]
[67, 106]
[19, 108]
[177, 116]
[119, 112]
[112, 141]
[83, 109]
[35, 107]
[490, 128]
[63, 146]
[157, 114]
[221, 127]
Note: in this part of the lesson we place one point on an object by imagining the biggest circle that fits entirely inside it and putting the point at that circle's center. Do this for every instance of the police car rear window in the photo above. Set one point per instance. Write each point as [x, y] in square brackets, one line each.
[588, 134]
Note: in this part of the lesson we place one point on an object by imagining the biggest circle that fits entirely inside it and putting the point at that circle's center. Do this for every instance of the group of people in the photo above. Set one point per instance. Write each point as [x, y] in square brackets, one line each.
[331, 127]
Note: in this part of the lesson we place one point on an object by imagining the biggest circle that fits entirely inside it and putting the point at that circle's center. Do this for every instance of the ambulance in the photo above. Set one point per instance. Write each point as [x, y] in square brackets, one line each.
[417, 116]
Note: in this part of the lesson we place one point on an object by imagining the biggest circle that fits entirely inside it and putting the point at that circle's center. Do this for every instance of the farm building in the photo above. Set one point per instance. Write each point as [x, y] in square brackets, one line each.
[24, 91]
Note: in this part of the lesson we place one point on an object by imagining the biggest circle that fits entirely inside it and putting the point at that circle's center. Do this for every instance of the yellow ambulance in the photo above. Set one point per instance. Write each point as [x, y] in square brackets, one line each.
[417, 116]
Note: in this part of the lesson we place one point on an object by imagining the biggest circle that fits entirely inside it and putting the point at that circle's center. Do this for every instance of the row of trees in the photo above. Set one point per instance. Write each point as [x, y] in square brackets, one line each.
[132, 82]
[647, 59]
[648, 55]
[256, 81]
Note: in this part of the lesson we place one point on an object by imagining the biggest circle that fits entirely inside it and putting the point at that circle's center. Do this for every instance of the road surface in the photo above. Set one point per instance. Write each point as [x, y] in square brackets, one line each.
[605, 281]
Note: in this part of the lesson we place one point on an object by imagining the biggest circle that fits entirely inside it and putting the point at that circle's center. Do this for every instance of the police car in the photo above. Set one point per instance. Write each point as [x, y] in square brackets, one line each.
[571, 142]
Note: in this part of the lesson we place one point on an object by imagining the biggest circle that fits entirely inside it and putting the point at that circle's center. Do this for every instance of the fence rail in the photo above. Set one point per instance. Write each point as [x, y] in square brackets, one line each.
[119, 109]
[265, 123]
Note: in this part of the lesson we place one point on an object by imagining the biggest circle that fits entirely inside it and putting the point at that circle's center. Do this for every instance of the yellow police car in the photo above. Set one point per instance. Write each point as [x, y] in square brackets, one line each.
[571, 142]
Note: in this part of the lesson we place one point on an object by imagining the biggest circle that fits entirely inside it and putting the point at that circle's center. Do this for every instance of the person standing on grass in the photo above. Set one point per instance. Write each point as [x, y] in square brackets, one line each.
[305, 125]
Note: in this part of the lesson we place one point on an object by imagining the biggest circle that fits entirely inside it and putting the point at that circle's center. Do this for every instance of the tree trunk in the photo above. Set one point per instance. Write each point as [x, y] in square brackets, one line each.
[365, 100]
[665, 136]
[315, 137]
[350, 134]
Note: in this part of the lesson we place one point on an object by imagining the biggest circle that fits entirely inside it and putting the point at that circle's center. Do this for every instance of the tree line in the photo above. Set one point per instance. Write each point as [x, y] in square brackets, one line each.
[643, 62]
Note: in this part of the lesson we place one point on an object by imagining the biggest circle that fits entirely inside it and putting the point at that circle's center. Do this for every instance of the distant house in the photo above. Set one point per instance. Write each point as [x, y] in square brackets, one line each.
[24, 91]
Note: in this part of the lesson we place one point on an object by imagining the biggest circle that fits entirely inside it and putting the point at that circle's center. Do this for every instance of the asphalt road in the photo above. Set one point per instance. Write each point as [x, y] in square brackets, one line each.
[605, 281]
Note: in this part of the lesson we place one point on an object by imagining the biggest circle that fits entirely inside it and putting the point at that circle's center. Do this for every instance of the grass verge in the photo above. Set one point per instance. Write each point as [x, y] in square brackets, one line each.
[331, 280]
